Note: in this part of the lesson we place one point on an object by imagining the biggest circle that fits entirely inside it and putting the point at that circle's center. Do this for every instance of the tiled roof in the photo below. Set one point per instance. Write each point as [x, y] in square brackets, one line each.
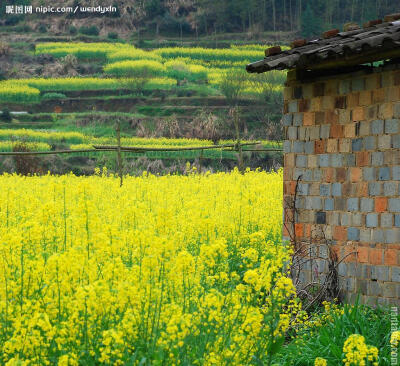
[377, 40]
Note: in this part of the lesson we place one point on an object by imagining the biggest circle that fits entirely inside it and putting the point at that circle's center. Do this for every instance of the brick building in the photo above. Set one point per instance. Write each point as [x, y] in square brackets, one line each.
[342, 127]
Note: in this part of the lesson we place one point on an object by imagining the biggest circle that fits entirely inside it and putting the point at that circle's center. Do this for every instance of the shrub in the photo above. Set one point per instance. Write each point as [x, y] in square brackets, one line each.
[6, 115]
[112, 35]
[89, 31]
[73, 30]
[42, 28]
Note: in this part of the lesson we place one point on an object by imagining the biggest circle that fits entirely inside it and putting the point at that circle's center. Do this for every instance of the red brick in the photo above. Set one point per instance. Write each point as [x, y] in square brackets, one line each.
[319, 118]
[340, 233]
[365, 98]
[304, 105]
[372, 112]
[378, 96]
[363, 158]
[350, 130]
[353, 100]
[298, 43]
[341, 174]
[385, 111]
[330, 33]
[336, 131]
[358, 114]
[350, 254]
[289, 160]
[391, 257]
[308, 118]
[319, 146]
[371, 23]
[332, 145]
[381, 204]
[375, 256]
[285, 231]
[299, 230]
[331, 117]
[373, 82]
[340, 102]
[329, 175]
[362, 189]
[392, 94]
[285, 107]
[316, 104]
[355, 174]
[328, 102]
[346, 189]
[362, 254]
[293, 187]
[307, 230]
[273, 51]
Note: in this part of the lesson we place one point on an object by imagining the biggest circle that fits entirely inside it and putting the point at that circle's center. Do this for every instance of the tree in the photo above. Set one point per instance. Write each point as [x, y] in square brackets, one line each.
[311, 25]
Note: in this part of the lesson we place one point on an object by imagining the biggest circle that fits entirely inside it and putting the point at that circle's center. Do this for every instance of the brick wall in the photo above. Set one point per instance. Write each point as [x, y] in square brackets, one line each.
[343, 138]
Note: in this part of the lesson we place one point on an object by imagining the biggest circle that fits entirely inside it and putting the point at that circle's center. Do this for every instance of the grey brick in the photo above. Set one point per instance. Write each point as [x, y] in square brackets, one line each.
[303, 133]
[390, 188]
[377, 158]
[386, 220]
[323, 160]
[378, 236]
[397, 220]
[324, 189]
[287, 119]
[366, 205]
[352, 204]
[374, 188]
[313, 203]
[309, 147]
[334, 217]
[349, 160]
[377, 127]
[395, 274]
[392, 236]
[314, 133]
[325, 131]
[307, 175]
[300, 202]
[370, 143]
[356, 144]
[362, 271]
[344, 86]
[396, 141]
[292, 133]
[342, 269]
[396, 172]
[353, 233]
[368, 173]
[317, 175]
[375, 289]
[287, 146]
[380, 273]
[302, 189]
[337, 160]
[301, 161]
[364, 128]
[344, 219]
[298, 119]
[297, 173]
[384, 141]
[365, 235]
[336, 189]
[328, 204]
[392, 125]
[384, 173]
[357, 84]
[298, 146]
[293, 106]
[340, 204]
[356, 219]
[351, 269]
[389, 289]
[394, 204]
[371, 220]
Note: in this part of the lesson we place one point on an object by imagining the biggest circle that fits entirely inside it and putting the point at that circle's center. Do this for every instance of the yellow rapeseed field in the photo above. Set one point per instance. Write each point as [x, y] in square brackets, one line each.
[165, 270]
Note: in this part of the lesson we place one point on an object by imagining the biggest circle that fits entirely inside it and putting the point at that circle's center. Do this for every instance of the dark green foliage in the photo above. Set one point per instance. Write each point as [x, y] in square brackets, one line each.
[73, 30]
[311, 25]
[6, 115]
[89, 31]
[42, 28]
[53, 96]
[112, 35]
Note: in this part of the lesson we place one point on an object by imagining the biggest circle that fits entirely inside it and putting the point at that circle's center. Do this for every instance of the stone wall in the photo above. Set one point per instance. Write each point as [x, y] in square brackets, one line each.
[343, 138]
